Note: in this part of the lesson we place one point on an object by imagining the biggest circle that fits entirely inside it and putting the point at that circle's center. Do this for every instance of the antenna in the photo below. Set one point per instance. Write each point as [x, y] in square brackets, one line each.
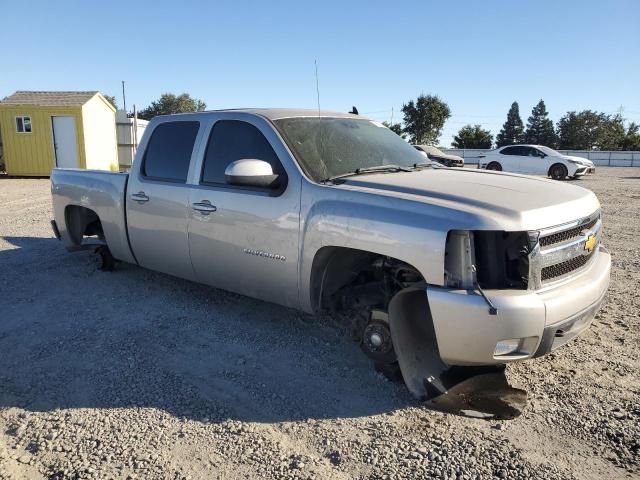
[315, 61]
[124, 99]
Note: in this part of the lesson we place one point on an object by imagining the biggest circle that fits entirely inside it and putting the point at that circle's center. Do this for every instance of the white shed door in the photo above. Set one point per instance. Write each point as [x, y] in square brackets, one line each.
[64, 141]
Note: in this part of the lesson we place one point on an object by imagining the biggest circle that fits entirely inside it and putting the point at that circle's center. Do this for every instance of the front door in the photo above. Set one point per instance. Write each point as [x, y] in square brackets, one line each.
[158, 197]
[64, 142]
[245, 239]
[534, 161]
[510, 159]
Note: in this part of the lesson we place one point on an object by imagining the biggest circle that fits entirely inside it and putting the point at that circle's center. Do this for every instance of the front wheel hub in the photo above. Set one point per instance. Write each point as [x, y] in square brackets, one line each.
[376, 342]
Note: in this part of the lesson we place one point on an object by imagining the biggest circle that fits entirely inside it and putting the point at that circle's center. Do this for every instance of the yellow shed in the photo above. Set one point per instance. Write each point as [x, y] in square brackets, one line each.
[43, 130]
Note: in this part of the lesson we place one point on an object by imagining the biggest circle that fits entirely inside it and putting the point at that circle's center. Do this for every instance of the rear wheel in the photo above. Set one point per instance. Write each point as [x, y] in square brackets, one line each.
[558, 171]
[494, 166]
[107, 261]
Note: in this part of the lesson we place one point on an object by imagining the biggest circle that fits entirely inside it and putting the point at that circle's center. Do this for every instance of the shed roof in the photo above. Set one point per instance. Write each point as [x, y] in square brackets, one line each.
[49, 99]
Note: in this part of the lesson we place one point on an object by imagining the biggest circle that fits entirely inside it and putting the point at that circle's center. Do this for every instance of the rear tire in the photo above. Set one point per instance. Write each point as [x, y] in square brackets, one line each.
[107, 261]
[558, 171]
[495, 166]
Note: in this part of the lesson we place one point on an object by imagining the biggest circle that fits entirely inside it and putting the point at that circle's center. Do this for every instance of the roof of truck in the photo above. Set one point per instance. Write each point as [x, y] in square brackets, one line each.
[277, 113]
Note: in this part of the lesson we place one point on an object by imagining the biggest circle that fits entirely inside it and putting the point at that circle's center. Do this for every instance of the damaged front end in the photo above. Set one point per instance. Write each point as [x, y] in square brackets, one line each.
[476, 385]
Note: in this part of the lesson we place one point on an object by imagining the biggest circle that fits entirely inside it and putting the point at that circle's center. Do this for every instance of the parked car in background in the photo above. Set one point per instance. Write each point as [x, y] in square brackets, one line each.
[536, 160]
[439, 156]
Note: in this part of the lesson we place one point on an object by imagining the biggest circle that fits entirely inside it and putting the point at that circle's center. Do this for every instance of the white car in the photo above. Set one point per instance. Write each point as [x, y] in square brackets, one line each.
[536, 160]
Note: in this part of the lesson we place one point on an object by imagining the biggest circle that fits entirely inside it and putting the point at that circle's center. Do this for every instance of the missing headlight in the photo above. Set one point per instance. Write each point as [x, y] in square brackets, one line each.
[502, 258]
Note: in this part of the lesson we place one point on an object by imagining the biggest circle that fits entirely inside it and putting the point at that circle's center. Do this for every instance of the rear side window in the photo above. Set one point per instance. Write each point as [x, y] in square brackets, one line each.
[168, 152]
[232, 140]
[511, 151]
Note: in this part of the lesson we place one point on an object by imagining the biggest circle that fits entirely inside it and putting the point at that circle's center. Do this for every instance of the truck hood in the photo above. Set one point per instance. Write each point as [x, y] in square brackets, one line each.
[497, 200]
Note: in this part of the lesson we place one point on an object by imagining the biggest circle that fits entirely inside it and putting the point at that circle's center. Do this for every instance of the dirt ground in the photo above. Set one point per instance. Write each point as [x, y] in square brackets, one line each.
[135, 374]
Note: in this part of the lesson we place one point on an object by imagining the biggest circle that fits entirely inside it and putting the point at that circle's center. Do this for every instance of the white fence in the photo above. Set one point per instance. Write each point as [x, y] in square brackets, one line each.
[129, 133]
[599, 157]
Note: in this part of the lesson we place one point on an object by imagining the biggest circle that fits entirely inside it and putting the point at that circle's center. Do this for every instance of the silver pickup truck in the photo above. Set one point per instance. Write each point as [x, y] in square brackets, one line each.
[435, 267]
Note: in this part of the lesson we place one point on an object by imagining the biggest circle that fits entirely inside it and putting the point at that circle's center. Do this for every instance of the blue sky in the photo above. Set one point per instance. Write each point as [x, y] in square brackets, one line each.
[478, 56]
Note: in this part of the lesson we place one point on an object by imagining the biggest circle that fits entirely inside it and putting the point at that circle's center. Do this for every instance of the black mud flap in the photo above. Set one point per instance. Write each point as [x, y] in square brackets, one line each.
[481, 392]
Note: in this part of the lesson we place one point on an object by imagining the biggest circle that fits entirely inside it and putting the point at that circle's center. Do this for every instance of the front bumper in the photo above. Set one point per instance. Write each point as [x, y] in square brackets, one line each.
[581, 171]
[544, 319]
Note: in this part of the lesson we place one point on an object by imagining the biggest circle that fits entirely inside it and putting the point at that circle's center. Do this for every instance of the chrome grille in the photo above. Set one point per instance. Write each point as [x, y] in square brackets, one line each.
[563, 268]
[567, 234]
[561, 251]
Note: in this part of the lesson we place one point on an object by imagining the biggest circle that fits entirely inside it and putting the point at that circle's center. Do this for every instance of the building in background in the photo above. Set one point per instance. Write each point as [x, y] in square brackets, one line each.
[44, 130]
[129, 131]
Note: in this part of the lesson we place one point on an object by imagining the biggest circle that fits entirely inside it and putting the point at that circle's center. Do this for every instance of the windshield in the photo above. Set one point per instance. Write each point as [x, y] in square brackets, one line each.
[549, 151]
[326, 147]
[429, 149]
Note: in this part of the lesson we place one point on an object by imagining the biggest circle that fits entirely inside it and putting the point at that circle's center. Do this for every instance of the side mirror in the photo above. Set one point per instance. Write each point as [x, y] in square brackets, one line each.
[250, 173]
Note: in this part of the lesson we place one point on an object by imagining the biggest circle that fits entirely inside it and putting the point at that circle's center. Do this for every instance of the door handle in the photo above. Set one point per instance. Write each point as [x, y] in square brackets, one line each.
[139, 197]
[204, 207]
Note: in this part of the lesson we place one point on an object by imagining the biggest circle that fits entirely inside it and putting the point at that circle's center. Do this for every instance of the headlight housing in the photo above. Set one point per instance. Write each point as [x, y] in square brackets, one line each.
[491, 259]
[459, 260]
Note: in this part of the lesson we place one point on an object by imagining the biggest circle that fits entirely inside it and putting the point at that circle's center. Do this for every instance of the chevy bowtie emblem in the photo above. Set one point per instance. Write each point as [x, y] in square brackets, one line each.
[590, 243]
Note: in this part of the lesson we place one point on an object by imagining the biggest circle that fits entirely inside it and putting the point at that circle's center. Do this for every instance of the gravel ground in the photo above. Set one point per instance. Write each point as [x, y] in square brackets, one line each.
[135, 374]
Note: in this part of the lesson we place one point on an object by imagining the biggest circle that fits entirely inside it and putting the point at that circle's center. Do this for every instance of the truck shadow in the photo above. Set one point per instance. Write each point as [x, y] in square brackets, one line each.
[74, 337]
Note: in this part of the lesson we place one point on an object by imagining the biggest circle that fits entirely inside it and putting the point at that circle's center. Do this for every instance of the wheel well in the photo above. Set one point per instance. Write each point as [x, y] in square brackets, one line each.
[82, 222]
[494, 162]
[555, 165]
[346, 278]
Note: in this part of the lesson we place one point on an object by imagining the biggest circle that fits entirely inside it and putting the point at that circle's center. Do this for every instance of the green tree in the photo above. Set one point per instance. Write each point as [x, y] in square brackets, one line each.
[587, 130]
[395, 128]
[513, 129]
[632, 137]
[424, 119]
[112, 100]
[611, 133]
[169, 103]
[472, 136]
[540, 129]
[583, 130]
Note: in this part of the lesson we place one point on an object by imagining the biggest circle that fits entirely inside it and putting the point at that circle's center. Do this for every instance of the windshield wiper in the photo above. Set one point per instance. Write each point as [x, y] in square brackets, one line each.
[362, 171]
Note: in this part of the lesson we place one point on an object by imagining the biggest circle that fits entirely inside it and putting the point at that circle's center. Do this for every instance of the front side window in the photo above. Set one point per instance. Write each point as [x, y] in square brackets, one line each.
[325, 147]
[23, 124]
[548, 151]
[168, 152]
[232, 140]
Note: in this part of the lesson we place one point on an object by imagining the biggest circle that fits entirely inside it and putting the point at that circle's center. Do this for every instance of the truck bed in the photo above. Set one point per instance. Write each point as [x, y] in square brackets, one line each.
[98, 191]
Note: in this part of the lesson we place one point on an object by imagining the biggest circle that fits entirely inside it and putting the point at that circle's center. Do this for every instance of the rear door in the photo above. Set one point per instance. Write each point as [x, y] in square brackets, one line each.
[158, 199]
[247, 241]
